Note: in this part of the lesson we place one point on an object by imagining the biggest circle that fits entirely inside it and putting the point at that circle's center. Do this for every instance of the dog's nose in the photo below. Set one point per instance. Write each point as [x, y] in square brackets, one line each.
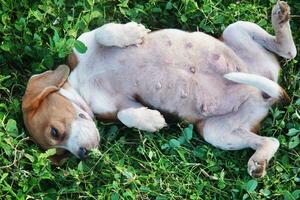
[82, 153]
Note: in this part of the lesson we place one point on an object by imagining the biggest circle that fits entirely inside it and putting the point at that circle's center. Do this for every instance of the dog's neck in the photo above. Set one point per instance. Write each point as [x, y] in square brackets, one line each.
[70, 93]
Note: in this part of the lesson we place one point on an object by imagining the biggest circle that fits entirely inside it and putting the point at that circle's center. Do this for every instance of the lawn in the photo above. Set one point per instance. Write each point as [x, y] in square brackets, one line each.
[174, 163]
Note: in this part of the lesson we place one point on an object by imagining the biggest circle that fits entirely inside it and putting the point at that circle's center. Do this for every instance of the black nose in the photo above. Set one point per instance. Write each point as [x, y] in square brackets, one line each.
[82, 153]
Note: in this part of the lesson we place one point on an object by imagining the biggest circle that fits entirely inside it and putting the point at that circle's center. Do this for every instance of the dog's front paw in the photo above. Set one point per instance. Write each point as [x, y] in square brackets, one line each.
[281, 12]
[133, 34]
[153, 121]
[142, 118]
[257, 169]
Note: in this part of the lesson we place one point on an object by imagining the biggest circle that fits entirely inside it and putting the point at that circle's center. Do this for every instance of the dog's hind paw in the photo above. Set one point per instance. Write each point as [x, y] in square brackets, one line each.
[257, 169]
[281, 12]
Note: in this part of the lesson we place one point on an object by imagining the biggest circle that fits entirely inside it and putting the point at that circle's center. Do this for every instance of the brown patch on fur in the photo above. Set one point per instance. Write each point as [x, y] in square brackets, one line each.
[107, 116]
[54, 111]
[285, 97]
[221, 38]
[169, 117]
[199, 127]
[259, 171]
[39, 86]
[283, 14]
[72, 61]
[255, 128]
[139, 99]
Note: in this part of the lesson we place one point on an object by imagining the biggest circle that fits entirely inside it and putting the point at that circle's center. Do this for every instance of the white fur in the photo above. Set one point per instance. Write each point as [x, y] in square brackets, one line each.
[98, 99]
[81, 136]
[101, 102]
[142, 118]
[260, 82]
[73, 96]
[84, 133]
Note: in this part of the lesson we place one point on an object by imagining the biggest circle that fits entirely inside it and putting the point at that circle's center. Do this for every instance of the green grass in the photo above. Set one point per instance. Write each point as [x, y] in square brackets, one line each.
[37, 35]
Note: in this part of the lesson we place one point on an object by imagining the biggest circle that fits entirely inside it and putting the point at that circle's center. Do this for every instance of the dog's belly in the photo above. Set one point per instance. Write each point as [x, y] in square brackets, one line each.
[174, 71]
[170, 48]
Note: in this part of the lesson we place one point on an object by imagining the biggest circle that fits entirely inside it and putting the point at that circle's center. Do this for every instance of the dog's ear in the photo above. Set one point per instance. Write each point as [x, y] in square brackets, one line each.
[41, 85]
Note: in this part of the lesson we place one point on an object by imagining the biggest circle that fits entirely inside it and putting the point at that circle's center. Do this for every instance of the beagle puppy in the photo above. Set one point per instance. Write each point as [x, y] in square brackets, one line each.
[224, 87]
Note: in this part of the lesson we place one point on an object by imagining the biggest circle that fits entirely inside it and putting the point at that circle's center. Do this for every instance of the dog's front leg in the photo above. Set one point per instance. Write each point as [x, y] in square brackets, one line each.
[142, 118]
[121, 35]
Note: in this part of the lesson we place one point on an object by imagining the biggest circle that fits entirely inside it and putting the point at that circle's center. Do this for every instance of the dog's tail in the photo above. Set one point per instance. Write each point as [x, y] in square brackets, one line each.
[268, 86]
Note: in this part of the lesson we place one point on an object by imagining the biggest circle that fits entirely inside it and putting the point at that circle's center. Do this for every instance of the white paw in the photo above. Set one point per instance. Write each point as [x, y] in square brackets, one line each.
[142, 118]
[133, 34]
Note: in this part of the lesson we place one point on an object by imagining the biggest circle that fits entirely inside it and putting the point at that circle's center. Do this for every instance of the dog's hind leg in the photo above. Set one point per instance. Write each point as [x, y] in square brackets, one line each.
[243, 35]
[232, 132]
[220, 135]
[120, 35]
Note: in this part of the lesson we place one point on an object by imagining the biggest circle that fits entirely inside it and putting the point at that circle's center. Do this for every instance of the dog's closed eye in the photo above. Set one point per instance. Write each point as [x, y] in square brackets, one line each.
[54, 133]
[82, 116]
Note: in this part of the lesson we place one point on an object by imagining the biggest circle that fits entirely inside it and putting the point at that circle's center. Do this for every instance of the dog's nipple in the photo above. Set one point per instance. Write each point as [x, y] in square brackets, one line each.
[183, 94]
[188, 45]
[192, 69]
[216, 56]
[137, 83]
[158, 86]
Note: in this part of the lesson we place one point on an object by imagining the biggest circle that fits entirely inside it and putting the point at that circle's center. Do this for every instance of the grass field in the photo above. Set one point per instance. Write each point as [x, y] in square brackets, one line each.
[174, 163]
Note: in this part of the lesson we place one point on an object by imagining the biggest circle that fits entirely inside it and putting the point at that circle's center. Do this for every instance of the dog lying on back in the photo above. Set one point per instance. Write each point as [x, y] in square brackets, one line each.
[224, 87]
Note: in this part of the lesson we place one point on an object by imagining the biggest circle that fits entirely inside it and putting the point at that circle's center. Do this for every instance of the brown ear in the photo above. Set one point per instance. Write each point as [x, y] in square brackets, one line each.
[39, 86]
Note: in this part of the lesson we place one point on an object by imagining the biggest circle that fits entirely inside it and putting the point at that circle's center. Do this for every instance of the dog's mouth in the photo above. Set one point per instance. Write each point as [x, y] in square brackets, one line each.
[80, 152]
[63, 152]
[60, 156]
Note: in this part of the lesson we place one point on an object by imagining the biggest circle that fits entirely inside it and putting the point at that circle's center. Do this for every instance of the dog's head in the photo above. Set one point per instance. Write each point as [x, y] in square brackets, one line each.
[56, 116]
